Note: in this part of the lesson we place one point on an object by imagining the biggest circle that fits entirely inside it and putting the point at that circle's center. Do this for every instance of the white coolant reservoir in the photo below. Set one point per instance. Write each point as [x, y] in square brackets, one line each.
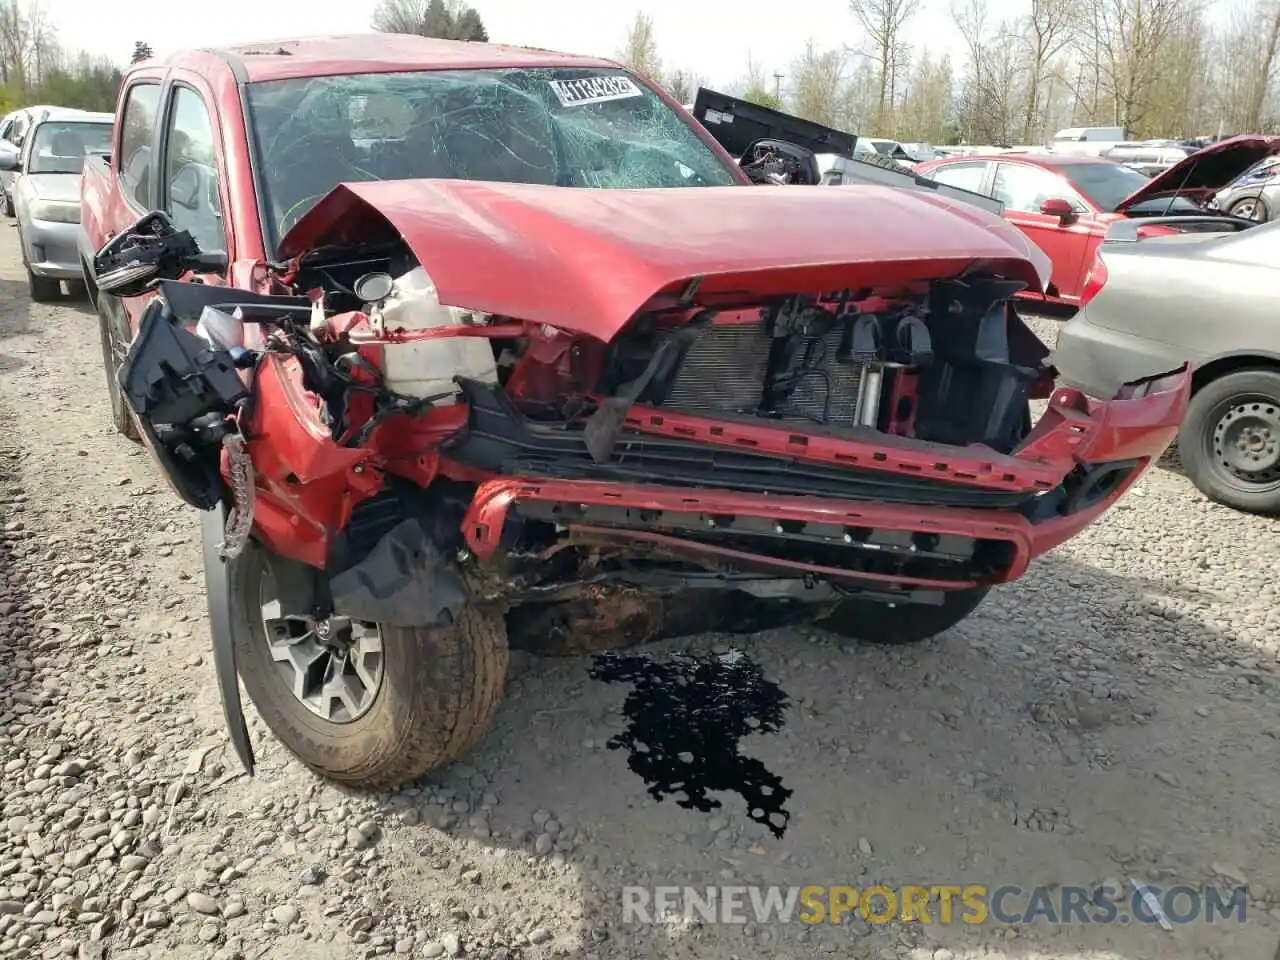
[426, 368]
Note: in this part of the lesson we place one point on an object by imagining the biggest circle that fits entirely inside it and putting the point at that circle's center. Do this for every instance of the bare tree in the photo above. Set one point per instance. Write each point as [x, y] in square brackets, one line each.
[1129, 39]
[925, 114]
[15, 43]
[640, 52]
[1263, 32]
[446, 19]
[754, 88]
[1047, 32]
[883, 21]
[989, 95]
[400, 16]
[683, 84]
[817, 83]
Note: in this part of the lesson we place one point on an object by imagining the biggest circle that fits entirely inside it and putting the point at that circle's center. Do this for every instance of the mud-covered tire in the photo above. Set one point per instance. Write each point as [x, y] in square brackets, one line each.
[875, 622]
[440, 691]
[121, 416]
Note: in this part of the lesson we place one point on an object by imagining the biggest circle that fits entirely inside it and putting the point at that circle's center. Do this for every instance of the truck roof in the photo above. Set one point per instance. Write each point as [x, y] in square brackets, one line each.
[376, 53]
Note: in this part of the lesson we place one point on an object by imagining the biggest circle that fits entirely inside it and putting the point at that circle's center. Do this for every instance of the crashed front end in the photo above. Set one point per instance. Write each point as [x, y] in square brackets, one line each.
[794, 393]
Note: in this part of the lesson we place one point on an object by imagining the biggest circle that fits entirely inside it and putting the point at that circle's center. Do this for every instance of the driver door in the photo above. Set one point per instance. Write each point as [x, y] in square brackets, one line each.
[1022, 188]
[190, 177]
[187, 183]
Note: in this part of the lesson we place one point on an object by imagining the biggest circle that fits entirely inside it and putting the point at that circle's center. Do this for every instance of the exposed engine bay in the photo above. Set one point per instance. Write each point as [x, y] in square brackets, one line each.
[426, 404]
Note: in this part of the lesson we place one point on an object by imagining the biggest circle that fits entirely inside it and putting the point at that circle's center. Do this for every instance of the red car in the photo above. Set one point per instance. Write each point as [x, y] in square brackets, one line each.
[458, 345]
[1066, 203]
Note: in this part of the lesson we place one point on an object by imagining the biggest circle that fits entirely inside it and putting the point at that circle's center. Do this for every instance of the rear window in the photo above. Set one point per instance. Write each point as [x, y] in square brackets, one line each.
[60, 145]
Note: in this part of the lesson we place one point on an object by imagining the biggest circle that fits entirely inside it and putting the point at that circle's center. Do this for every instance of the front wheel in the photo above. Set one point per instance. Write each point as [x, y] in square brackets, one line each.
[1229, 443]
[367, 706]
[874, 621]
[113, 355]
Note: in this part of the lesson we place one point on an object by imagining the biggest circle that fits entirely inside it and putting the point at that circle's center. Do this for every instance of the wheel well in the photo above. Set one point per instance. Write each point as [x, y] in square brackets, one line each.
[1220, 368]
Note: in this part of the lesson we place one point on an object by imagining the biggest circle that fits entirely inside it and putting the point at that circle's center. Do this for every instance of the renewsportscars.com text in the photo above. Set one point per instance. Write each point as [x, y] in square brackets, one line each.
[969, 904]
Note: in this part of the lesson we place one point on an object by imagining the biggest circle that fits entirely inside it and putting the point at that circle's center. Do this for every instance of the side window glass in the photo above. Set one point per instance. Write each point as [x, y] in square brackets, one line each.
[19, 130]
[1026, 188]
[138, 127]
[6, 131]
[191, 171]
[966, 176]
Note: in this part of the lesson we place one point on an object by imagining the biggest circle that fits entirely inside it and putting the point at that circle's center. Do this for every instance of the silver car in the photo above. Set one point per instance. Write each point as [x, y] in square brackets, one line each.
[1255, 195]
[1201, 290]
[46, 195]
[13, 132]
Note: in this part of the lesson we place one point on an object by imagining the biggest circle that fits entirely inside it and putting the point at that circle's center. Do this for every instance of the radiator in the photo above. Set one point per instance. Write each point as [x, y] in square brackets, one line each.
[724, 372]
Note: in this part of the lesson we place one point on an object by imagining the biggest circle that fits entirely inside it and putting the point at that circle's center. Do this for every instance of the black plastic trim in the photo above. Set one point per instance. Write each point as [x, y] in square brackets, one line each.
[218, 592]
[500, 440]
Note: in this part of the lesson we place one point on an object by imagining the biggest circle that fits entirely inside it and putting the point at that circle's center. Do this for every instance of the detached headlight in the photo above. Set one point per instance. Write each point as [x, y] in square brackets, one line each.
[56, 211]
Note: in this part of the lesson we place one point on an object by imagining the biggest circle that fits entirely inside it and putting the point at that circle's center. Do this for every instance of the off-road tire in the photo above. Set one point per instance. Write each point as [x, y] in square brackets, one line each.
[1196, 440]
[121, 415]
[875, 622]
[43, 289]
[440, 691]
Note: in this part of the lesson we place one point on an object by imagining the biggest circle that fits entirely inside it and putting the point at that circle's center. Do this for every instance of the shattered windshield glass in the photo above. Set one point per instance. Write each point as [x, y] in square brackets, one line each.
[557, 126]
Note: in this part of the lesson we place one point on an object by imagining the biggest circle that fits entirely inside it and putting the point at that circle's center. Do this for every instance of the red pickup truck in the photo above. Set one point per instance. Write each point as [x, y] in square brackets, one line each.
[458, 345]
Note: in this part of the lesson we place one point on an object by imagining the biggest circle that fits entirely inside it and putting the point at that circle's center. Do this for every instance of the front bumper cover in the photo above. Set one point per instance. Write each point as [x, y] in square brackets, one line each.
[1099, 448]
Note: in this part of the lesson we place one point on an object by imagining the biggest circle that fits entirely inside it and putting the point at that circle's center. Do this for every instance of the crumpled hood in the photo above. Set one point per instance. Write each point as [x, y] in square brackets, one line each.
[1206, 171]
[589, 260]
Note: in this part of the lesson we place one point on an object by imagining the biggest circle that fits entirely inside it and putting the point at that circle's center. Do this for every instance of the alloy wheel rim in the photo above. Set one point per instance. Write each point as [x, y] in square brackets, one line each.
[1247, 209]
[333, 666]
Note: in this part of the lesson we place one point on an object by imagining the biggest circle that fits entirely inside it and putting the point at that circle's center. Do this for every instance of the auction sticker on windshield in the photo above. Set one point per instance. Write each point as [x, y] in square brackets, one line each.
[572, 93]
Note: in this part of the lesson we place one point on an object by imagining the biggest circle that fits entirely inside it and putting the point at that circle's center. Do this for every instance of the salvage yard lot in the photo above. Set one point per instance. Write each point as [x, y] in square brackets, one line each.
[1113, 715]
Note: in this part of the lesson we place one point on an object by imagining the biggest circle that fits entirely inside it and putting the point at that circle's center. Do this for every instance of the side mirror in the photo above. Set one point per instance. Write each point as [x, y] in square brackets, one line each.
[1057, 207]
[780, 162]
[10, 160]
[149, 250]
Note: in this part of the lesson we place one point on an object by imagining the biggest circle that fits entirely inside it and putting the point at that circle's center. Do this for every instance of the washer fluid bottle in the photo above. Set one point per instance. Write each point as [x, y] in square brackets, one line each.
[426, 368]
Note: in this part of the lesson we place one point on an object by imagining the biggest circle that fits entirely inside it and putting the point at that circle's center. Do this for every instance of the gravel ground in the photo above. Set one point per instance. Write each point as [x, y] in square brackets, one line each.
[1112, 715]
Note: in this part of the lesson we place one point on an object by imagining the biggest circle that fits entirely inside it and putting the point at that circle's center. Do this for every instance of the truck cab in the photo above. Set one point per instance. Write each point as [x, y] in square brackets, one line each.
[178, 146]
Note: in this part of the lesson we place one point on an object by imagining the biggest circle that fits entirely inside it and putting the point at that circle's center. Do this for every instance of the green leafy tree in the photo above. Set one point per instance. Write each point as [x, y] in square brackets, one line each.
[755, 89]
[446, 19]
[640, 52]
[468, 26]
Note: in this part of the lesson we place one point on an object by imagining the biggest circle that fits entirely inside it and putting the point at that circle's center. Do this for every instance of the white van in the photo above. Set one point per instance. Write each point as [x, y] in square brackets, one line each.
[1086, 140]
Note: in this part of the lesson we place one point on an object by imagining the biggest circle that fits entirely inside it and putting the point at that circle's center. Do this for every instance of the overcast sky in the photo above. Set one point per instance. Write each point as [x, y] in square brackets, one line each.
[712, 37]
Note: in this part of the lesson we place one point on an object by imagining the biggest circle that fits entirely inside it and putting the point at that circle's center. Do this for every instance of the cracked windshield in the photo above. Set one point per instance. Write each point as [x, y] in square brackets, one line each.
[562, 127]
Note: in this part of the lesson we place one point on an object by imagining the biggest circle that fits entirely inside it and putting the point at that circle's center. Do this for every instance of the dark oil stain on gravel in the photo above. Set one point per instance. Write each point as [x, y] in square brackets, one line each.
[685, 718]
